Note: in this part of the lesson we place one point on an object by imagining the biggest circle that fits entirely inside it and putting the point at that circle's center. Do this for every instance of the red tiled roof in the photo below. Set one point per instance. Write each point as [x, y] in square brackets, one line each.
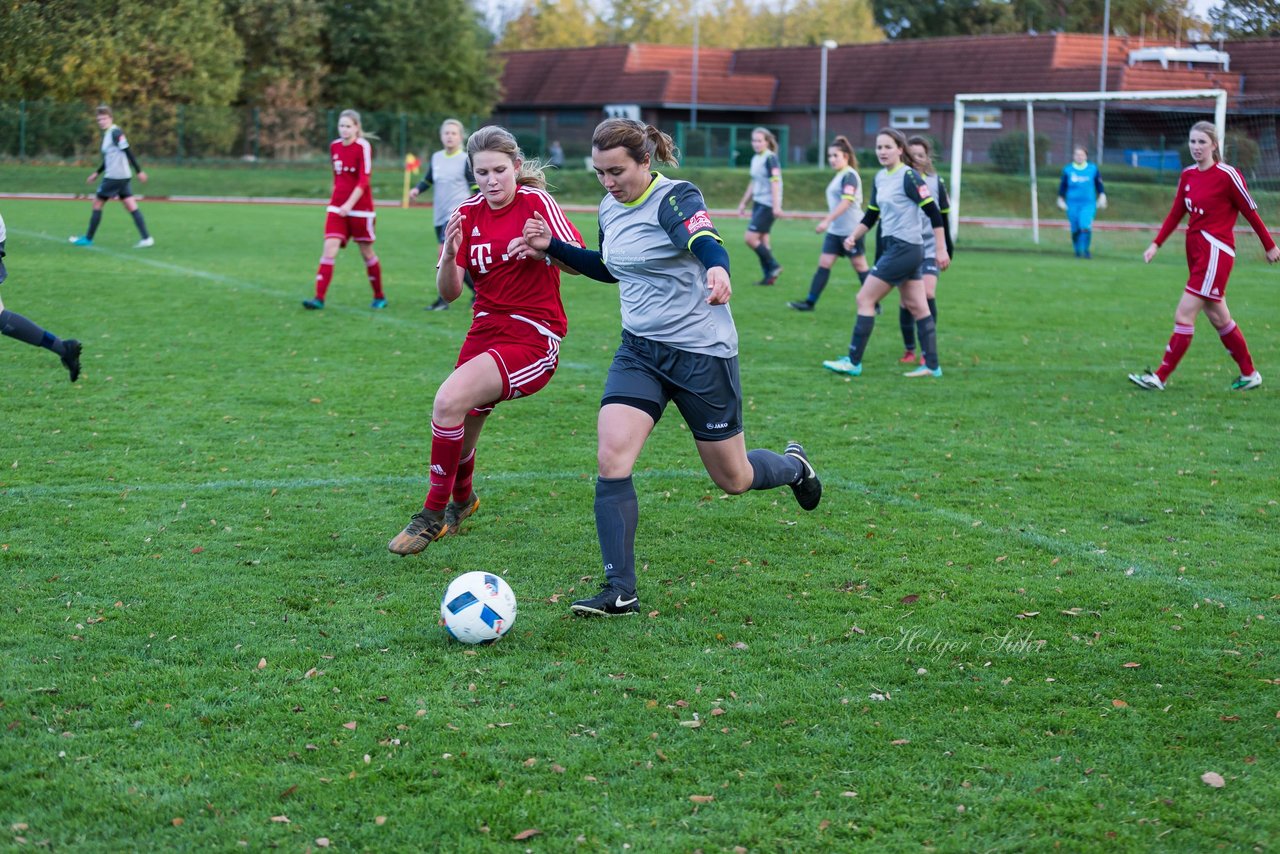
[637, 73]
[913, 72]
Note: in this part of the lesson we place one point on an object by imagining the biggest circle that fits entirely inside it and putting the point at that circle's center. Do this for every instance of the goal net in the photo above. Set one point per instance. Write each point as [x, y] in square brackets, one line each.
[1005, 141]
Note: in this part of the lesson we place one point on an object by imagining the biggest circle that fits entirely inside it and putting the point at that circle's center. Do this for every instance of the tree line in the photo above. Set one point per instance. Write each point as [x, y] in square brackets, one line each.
[440, 57]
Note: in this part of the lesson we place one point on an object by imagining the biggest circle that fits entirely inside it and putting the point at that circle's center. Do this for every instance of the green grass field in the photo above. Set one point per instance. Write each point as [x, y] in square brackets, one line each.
[1035, 606]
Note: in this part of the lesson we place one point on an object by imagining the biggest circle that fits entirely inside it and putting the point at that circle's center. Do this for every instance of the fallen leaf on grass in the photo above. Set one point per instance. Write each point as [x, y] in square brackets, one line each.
[322, 842]
[197, 550]
[350, 725]
[849, 794]
[287, 792]
[262, 664]
[702, 799]
[526, 834]
[1230, 719]
[177, 822]
[1132, 664]
[907, 600]
[379, 820]
[281, 819]
[1120, 704]
[1026, 615]
[901, 741]
[310, 674]
[1213, 779]
[691, 724]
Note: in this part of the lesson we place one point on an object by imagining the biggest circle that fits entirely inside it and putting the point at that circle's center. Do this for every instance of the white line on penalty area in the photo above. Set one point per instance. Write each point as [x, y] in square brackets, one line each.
[1085, 553]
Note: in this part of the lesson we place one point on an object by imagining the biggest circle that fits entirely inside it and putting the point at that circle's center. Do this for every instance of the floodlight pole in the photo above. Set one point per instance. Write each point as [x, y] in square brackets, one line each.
[822, 102]
[1102, 85]
[693, 97]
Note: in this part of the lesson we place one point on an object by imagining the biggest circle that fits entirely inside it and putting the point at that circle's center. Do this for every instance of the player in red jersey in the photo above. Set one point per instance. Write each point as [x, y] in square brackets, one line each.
[351, 215]
[1213, 193]
[513, 346]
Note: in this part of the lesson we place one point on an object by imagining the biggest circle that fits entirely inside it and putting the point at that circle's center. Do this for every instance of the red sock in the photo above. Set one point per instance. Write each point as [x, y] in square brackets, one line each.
[1173, 352]
[374, 269]
[1233, 340]
[446, 449]
[462, 484]
[323, 277]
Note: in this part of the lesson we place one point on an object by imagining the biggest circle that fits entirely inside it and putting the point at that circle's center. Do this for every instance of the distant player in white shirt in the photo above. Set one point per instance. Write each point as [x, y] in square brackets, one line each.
[117, 158]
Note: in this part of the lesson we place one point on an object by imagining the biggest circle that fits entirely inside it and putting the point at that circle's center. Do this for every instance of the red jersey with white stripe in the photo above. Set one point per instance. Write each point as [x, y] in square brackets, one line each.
[352, 164]
[505, 284]
[1213, 197]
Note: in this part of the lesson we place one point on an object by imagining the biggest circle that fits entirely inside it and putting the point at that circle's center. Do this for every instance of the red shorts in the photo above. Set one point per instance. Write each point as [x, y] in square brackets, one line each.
[1210, 261]
[527, 353]
[357, 226]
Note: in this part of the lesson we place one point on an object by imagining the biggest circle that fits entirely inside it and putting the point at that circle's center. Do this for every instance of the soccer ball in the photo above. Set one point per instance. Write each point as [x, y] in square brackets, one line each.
[478, 607]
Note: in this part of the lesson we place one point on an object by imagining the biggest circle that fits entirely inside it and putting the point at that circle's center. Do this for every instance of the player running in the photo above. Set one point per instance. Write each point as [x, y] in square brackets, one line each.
[844, 212]
[679, 343]
[764, 191]
[16, 326]
[898, 197]
[117, 160]
[350, 212]
[513, 346]
[1213, 193]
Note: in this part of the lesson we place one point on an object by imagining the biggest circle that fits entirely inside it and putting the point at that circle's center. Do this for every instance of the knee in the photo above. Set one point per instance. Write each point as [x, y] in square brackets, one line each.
[730, 483]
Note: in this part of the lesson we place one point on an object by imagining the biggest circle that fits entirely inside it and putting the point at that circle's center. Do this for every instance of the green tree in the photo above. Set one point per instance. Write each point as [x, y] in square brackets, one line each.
[425, 56]
[811, 22]
[283, 50]
[656, 21]
[925, 18]
[552, 23]
[1238, 19]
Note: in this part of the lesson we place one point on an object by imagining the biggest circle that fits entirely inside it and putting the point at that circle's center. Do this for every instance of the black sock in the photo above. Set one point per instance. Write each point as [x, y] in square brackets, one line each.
[862, 276]
[140, 223]
[928, 332]
[16, 326]
[767, 263]
[933, 309]
[818, 285]
[770, 469]
[617, 516]
[94, 219]
[907, 324]
[862, 328]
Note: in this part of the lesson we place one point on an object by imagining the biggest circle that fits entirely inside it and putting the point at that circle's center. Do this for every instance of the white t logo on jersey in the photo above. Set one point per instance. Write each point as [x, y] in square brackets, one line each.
[482, 256]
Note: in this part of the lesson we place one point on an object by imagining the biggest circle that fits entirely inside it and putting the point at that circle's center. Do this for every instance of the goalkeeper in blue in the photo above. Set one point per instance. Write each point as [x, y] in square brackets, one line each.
[1081, 195]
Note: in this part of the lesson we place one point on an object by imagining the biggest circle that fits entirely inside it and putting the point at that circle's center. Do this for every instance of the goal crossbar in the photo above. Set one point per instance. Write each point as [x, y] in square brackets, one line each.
[1030, 98]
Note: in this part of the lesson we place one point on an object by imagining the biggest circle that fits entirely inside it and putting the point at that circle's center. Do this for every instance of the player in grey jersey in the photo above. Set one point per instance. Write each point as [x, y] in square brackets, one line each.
[899, 195]
[679, 343]
[449, 176]
[16, 326]
[117, 158]
[922, 152]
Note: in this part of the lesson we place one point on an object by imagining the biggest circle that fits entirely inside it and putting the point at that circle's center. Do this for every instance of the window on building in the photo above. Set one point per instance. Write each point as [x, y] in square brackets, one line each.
[983, 117]
[871, 123]
[909, 118]
[572, 118]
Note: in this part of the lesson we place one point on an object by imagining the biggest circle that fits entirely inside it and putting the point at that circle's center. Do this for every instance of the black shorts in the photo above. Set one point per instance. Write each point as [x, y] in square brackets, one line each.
[761, 218]
[646, 375]
[900, 262]
[114, 188]
[928, 267]
[833, 244]
[440, 233]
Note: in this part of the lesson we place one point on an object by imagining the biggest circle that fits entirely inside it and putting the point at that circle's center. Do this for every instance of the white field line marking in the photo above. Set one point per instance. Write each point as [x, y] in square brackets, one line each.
[997, 534]
[137, 257]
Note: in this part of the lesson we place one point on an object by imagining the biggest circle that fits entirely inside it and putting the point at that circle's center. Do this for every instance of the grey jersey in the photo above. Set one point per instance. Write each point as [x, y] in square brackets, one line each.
[450, 174]
[898, 196]
[846, 185]
[938, 189]
[113, 156]
[661, 284]
[765, 169]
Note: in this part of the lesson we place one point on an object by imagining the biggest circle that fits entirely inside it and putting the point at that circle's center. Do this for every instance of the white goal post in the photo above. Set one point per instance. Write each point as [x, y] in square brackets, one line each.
[1030, 98]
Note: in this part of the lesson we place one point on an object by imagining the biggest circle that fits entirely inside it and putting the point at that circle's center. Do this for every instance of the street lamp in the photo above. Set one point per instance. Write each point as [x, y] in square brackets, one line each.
[1102, 85]
[822, 101]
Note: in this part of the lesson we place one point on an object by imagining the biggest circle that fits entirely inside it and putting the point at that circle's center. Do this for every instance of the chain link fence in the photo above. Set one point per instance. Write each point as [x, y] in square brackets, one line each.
[46, 130]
